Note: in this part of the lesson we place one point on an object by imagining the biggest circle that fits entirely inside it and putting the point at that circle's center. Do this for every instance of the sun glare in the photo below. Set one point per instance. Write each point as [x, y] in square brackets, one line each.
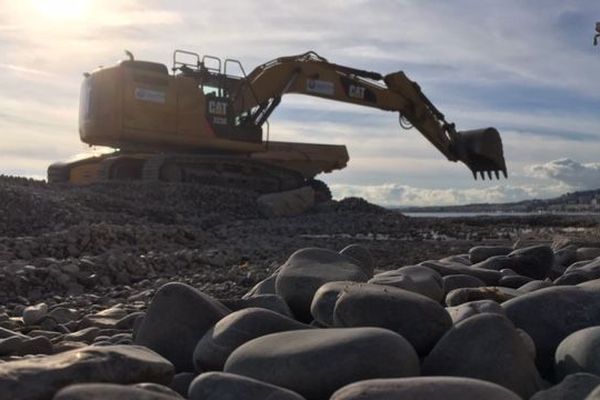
[61, 10]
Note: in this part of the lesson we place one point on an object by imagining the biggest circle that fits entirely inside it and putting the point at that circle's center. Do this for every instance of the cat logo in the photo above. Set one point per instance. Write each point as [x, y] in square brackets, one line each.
[356, 92]
[217, 107]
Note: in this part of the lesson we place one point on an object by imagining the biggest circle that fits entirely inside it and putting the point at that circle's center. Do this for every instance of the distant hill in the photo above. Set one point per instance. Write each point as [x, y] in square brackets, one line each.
[583, 201]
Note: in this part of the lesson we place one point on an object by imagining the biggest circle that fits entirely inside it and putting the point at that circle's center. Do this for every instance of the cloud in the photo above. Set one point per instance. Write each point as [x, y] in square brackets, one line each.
[394, 195]
[25, 70]
[572, 173]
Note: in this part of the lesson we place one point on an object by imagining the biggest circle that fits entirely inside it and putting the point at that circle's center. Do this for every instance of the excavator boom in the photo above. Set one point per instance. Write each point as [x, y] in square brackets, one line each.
[310, 74]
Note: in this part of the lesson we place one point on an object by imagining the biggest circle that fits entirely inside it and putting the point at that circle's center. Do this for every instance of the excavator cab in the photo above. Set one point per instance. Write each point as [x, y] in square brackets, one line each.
[219, 86]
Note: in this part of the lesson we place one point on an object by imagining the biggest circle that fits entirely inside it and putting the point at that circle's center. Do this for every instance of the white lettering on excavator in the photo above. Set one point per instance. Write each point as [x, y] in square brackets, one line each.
[153, 96]
[219, 120]
[357, 92]
[217, 107]
[320, 87]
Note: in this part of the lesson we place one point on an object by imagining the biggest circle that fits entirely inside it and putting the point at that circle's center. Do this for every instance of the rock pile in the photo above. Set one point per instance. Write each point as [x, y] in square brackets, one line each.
[326, 325]
[177, 291]
[32, 207]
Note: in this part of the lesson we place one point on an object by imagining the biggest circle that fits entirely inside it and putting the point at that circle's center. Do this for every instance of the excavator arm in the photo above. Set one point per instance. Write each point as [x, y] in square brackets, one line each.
[256, 96]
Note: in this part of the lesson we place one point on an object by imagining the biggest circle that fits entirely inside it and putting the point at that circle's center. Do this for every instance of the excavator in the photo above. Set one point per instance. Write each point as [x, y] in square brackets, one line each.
[203, 123]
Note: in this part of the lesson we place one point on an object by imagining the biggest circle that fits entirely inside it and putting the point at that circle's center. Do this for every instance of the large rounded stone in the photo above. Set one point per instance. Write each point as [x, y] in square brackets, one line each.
[181, 382]
[514, 281]
[550, 315]
[35, 314]
[482, 253]
[417, 318]
[176, 320]
[589, 269]
[396, 279]
[458, 258]
[573, 387]
[595, 395]
[428, 282]
[495, 263]
[271, 302]
[458, 281]
[533, 286]
[156, 388]
[587, 253]
[307, 270]
[464, 295]
[486, 347]
[104, 391]
[572, 278]
[324, 300]
[466, 310]
[424, 388]
[317, 362]
[534, 261]
[117, 364]
[266, 286]
[360, 254]
[446, 268]
[564, 257]
[577, 265]
[224, 386]
[579, 352]
[235, 329]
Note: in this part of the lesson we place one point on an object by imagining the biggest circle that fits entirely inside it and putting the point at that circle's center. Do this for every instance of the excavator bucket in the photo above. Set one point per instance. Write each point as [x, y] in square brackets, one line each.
[481, 151]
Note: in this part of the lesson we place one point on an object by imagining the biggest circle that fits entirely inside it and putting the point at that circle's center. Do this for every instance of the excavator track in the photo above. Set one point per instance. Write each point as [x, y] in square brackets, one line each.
[121, 167]
[225, 171]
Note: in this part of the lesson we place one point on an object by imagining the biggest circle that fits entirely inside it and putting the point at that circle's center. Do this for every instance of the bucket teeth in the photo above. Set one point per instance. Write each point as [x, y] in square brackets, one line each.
[490, 174]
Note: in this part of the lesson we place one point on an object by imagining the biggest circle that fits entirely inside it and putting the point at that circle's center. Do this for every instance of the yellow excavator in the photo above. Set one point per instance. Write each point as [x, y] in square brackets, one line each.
[202, 123]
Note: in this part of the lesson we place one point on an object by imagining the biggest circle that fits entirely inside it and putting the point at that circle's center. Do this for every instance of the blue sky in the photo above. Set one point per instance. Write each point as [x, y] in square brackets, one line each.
[527, 68]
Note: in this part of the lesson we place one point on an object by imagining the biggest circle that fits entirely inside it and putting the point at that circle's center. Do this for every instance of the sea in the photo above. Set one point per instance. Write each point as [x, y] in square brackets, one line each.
[494, 214]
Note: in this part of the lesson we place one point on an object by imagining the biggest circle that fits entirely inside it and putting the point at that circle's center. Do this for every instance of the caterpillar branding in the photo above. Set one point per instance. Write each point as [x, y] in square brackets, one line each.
[357, 91]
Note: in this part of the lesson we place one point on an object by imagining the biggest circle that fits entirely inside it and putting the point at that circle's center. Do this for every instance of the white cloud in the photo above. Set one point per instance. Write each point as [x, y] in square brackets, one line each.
[564, 175]
[572, 173]
[403, 195]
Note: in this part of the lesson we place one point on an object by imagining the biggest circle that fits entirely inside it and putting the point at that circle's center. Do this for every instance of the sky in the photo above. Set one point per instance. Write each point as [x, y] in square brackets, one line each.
[527, 68]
